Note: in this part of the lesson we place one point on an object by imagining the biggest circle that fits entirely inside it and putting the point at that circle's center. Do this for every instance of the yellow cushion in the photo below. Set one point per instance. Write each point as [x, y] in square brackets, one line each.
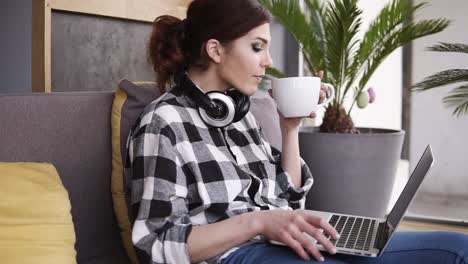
[35, 219]
[129, 102]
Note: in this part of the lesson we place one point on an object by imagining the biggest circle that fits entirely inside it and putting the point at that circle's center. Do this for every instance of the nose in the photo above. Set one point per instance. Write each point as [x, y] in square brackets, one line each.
[267, 61]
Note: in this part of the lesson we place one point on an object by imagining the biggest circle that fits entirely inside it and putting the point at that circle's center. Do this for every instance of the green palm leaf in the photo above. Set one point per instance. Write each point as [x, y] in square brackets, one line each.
[290, 14]
[397, 39]
[458, 98]
[275, 73]
[317, 14]
[409, 32]
[392, 16]
[343, 25]
[449, 47]
[327, 34]
[442, 78]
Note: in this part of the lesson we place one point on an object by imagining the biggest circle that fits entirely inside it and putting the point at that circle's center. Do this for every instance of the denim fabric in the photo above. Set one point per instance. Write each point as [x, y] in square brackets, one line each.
[404, 247]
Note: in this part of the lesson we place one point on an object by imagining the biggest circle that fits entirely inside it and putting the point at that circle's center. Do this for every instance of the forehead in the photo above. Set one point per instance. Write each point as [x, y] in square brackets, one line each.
[260, 32]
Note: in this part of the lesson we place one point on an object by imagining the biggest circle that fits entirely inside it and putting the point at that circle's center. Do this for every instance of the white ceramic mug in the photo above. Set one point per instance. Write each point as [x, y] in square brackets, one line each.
[299, 96]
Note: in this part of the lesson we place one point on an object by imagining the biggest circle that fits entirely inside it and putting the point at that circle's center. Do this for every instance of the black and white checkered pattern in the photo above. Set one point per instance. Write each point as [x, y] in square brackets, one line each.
[182, 173]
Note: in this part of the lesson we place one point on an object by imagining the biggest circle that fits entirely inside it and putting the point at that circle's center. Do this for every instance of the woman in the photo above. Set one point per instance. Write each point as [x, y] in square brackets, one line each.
[205, 190]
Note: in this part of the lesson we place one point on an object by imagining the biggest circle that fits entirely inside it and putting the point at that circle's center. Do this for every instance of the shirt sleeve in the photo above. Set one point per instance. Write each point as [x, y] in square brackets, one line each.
[295, 196]
[159, 192]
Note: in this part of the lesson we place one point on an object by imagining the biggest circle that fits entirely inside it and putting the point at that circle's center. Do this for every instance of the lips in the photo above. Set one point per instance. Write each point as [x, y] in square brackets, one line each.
[259, 77]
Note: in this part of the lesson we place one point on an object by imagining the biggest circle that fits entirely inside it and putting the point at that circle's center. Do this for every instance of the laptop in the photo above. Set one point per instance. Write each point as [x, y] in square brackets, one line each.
[365, 236]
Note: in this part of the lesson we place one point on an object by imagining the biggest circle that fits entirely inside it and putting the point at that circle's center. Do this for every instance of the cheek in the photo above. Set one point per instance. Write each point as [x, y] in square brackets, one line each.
[246, 67]
[236, 70]
[239, 70]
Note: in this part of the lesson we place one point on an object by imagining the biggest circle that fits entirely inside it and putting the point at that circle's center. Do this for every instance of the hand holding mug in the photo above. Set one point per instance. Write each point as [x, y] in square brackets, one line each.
[324, 91]
[301, 96]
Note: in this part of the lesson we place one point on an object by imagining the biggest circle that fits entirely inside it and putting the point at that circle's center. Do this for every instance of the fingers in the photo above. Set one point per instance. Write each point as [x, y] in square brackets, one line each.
[320, 74]
[323, 95]
[300, 226]
[318, 235]
[321, 223]
[313, 115]
[298, 234]
[324, 91]
[296, 246]
[307, 244]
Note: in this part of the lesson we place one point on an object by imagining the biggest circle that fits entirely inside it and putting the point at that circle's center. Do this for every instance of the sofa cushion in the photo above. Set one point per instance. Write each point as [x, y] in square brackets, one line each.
[129, 101]
[72, 131]
[35, 219]
[264, 109]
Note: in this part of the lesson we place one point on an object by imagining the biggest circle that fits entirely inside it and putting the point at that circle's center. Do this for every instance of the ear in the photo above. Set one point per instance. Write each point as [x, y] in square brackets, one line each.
[214, 49]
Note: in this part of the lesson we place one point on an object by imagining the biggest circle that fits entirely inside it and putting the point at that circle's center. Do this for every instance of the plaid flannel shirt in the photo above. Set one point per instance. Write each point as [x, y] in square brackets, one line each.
[182, 173]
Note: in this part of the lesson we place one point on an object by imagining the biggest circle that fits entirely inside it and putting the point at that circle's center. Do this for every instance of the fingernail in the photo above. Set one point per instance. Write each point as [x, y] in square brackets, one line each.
[337, 236]
[321, 259]
[333, 251]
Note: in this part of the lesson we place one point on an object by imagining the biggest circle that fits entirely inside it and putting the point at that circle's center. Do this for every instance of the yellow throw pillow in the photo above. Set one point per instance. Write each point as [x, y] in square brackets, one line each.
[129, 101]
[35, 215]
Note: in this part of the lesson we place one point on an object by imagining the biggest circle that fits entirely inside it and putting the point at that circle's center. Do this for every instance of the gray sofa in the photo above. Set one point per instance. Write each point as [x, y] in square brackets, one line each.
[73, 132]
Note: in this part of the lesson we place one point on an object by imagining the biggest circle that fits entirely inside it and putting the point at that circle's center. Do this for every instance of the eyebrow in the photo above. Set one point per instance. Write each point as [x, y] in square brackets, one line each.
[263, 40]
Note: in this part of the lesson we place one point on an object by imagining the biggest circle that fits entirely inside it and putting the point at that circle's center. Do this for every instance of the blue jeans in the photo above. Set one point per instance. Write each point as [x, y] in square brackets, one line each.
[404, 247]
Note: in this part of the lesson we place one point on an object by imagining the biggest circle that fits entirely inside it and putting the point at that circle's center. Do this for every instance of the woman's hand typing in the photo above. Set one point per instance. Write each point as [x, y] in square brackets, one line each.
[288, 227]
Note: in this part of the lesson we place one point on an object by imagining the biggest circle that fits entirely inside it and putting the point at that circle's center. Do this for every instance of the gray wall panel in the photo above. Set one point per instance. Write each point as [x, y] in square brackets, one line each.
[15, 46]
[92, 53]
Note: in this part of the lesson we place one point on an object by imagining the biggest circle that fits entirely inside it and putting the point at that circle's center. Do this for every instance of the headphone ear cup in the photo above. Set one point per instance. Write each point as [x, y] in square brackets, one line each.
[241, 103]
[226, 104]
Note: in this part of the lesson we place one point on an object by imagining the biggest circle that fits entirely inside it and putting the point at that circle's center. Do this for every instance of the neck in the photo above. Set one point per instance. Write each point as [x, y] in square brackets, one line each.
[208, 80]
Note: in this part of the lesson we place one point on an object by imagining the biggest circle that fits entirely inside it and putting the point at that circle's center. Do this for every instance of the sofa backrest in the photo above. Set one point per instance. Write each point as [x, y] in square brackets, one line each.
[71, 131]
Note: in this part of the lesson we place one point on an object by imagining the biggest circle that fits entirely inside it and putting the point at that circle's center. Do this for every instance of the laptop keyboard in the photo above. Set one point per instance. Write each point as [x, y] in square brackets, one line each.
[355, 232]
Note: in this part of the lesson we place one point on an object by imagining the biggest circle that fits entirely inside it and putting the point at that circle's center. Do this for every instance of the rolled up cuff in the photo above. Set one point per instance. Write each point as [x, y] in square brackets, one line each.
[296, 195]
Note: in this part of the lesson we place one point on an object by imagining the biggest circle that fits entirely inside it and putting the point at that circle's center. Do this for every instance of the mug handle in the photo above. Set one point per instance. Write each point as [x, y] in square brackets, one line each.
[332, 94]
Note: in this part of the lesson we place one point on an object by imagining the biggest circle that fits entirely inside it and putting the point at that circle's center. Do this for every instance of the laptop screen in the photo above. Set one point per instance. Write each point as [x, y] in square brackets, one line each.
[411, 187]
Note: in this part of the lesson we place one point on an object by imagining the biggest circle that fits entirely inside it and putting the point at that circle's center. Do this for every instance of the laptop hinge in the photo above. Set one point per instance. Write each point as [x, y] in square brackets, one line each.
[382, 235]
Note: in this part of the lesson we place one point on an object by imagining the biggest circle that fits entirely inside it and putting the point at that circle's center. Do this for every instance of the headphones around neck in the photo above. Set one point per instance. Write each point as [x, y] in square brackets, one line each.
[216, 109]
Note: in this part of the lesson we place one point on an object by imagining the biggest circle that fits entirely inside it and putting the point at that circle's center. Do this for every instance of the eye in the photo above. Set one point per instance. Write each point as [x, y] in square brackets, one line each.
[257, 47]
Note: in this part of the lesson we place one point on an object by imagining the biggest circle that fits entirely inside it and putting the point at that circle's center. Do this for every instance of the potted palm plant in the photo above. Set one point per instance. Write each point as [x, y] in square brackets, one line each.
[353, 167]
[458, 97]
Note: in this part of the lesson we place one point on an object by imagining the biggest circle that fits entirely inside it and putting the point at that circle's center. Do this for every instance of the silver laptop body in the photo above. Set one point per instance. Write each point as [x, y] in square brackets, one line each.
[365, 236]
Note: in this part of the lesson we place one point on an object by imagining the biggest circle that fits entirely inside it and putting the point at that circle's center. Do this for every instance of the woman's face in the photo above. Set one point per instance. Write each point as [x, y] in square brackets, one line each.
[244, 60]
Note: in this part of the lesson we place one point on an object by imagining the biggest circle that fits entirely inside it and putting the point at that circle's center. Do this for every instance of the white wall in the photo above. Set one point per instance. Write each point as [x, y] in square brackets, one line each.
[386, 112]
[431, 122]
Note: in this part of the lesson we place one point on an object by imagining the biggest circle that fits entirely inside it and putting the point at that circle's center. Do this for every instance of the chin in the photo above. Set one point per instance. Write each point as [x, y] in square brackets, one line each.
[249, 91]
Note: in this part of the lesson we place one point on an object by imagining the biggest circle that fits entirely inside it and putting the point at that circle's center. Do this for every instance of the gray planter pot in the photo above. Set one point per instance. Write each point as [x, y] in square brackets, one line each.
[353, 173]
